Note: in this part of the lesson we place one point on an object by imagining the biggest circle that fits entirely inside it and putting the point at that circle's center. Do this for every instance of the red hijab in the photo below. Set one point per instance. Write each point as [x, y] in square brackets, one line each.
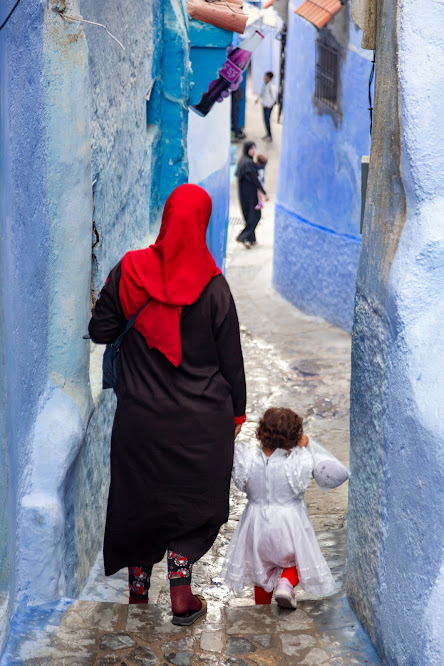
[174, 271]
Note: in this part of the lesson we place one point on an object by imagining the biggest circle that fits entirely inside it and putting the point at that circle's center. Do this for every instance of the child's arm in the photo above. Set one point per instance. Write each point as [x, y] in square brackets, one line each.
[328, 471]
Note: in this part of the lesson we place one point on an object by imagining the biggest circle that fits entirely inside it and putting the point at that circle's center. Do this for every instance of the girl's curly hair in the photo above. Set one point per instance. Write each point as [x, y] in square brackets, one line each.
[279, 428]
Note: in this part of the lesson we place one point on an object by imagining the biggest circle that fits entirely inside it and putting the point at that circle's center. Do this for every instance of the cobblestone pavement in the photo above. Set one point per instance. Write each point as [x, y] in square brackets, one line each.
[291, 360]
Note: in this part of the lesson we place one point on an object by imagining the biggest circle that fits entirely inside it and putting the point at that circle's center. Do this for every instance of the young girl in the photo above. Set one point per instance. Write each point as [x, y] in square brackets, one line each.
[260, 163]
[275, 533]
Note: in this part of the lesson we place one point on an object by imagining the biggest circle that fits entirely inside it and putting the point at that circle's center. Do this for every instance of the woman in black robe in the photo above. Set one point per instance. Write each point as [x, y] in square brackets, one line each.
[249, 184]
[180, 402]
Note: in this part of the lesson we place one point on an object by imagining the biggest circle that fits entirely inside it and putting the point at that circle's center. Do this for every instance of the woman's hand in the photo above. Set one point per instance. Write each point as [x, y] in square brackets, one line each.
[237, 429]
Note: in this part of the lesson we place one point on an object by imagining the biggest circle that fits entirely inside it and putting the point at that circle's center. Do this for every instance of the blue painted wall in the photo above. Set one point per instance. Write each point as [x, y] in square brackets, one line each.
[208, 52]
[89, 132]
[318, 198]
[47, 242]
[24, 268]
[4, 472]
[395, 576]
[121, 144]
[216, 186]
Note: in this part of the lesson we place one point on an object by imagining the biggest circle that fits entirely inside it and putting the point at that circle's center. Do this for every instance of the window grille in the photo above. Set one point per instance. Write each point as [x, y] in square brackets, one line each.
[327, 74]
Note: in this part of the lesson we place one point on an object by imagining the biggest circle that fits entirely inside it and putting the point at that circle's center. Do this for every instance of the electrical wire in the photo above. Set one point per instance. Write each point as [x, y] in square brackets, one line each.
[80, 19]
[370, 81]
[9, 15]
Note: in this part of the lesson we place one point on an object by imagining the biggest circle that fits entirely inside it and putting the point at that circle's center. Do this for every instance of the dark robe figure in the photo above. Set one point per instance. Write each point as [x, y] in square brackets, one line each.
[249, 184]
[236, 98]
[180, 392]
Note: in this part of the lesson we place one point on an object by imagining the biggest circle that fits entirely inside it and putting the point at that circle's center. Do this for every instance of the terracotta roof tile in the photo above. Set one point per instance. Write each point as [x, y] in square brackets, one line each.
[319, 12]
[226, 14]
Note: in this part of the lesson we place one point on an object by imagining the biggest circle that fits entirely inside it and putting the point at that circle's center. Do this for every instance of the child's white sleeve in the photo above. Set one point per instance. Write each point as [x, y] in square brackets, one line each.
[243, 460]
[328, 471]
[299, 469]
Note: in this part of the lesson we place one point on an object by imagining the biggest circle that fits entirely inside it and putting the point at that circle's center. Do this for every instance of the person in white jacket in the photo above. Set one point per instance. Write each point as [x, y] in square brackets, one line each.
[274, 545]
[268, 97]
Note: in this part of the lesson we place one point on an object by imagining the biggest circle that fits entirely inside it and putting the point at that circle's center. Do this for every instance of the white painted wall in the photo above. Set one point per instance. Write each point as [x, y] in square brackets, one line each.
[209, 141]
[267, 57]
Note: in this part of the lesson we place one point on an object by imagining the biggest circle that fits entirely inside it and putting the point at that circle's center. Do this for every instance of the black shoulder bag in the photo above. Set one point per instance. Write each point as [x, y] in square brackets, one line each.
[110, 364]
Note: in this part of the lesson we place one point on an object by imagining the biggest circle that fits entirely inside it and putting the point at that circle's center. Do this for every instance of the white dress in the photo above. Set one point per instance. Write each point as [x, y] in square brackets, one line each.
[275, 531]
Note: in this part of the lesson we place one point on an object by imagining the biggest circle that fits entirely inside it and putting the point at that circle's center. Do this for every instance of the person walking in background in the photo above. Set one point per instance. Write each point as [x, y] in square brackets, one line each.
[180, 403]
[268, 97]
[249, 184]
[236, 98]
[261, 162]
[274, 544]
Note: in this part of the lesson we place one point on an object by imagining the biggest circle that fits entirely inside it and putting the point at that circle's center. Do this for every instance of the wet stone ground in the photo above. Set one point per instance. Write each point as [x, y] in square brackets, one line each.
[291, 360]
[102, 634]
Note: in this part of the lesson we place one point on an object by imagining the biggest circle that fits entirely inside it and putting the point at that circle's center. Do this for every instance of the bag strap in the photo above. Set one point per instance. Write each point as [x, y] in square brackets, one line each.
[129, 324]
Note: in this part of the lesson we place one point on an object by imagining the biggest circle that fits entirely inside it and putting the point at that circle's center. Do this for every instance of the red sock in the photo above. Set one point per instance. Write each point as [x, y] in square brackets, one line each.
[183, 600]
[138, 599]
[291, 574]
[261, 597]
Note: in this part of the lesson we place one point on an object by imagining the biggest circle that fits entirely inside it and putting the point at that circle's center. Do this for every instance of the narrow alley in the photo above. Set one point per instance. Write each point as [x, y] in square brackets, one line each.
[294, 360]
[121, 125]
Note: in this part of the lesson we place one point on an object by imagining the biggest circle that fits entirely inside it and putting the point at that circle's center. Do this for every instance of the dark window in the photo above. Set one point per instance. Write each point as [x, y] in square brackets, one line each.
[327, 73]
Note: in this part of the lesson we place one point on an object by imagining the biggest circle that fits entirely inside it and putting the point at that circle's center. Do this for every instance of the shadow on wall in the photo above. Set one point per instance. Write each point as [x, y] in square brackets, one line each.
[313, 268]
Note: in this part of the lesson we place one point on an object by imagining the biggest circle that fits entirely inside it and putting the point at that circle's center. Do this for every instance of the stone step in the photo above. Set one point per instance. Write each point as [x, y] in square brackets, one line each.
[88, 633]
